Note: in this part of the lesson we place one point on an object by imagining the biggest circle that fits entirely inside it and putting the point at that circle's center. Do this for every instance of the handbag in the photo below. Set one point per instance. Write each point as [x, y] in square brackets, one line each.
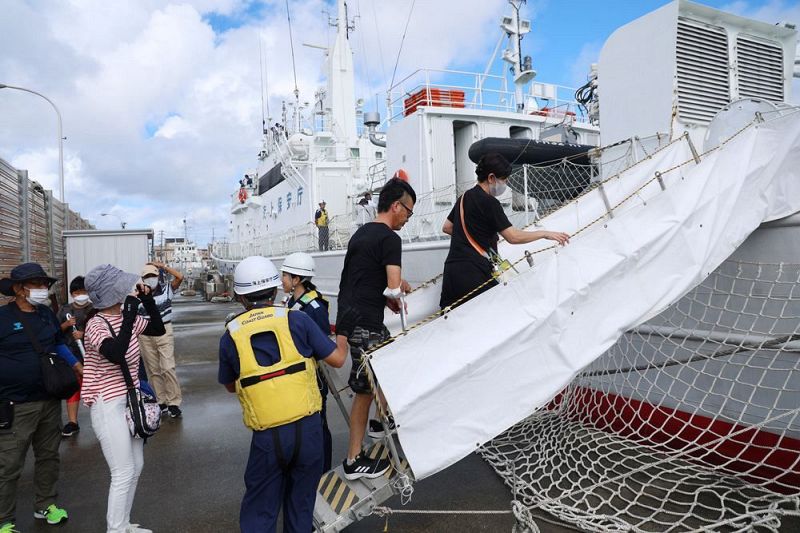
[142, 412]
[58, 378]
[500, 266]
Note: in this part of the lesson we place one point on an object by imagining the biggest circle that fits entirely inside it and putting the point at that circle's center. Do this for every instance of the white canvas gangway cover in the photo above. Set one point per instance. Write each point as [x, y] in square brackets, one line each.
[458, 381]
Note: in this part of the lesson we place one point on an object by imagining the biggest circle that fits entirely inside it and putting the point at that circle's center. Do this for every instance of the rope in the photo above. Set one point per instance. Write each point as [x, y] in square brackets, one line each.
[291, 44]
[402, 40]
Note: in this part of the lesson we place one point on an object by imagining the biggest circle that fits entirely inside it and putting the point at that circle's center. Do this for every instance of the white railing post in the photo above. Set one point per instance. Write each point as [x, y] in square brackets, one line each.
[525, 188]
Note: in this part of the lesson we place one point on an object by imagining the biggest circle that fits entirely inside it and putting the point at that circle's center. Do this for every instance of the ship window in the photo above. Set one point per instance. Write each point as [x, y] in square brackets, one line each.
[354, 152]
[299, 196]
[520, 132]
[378, 155]
[280, 204]
[288, 200]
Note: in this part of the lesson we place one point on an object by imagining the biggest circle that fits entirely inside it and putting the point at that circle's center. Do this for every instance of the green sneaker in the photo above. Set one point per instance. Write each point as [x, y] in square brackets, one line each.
[8, 527]
[54, 515]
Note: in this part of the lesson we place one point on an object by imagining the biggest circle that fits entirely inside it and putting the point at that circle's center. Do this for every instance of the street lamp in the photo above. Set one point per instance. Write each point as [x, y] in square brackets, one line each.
[60, 137]
[122, 223]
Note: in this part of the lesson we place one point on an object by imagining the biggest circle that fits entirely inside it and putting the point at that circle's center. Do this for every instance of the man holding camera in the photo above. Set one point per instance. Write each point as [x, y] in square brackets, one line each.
[159, 352]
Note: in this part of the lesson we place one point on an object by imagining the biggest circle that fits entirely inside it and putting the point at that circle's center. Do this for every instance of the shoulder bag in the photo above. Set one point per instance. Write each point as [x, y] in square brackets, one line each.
[141, 410]
[58, 378]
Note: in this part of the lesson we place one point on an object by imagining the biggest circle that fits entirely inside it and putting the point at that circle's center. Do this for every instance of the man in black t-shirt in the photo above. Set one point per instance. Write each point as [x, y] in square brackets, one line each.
[474, 239]
[371, 280]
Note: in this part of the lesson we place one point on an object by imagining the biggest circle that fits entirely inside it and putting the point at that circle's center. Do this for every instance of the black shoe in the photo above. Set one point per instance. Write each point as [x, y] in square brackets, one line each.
[376, 430]
[70, 428]
[163, 407]
[365, 467]
[174, 411]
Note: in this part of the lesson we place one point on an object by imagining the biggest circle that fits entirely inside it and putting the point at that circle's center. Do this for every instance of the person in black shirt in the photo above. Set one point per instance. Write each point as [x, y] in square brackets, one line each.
[371, 280]
[475, 239]
[72, 328]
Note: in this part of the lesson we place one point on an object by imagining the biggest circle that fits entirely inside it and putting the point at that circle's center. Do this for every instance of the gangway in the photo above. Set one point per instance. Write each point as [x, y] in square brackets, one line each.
[642, 238]
[341, 502]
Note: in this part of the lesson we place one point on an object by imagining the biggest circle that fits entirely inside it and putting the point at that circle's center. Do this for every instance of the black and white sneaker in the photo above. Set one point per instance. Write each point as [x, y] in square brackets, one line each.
[70, 428]
[365, 467]
[376, 430]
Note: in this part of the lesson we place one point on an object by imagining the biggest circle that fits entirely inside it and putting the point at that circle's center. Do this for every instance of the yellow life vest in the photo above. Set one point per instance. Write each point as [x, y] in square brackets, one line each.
[322, 221]
[280, 393]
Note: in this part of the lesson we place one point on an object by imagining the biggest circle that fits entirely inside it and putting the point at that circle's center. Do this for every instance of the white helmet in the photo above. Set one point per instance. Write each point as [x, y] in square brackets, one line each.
[299, 264]
[254, 274]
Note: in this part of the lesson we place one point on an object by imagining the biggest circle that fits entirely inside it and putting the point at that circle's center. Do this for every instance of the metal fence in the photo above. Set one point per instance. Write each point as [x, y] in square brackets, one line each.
[31, 226]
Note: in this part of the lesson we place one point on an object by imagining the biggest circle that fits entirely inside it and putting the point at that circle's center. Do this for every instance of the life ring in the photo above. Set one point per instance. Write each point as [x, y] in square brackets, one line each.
[401, 174]
[242, 195]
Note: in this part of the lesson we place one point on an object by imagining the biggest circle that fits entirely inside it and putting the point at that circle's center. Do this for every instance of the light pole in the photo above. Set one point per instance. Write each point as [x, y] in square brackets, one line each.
[60, 137]
[122, 223]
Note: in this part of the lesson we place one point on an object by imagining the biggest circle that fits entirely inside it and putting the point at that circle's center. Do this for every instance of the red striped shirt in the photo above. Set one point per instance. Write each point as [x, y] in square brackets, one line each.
[101, 376]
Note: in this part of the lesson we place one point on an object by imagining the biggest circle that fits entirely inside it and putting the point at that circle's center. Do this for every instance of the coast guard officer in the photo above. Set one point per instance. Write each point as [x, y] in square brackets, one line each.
[268, 357]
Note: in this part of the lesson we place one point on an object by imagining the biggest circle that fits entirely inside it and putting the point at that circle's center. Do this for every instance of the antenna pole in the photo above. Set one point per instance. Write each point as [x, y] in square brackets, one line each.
[261, 69]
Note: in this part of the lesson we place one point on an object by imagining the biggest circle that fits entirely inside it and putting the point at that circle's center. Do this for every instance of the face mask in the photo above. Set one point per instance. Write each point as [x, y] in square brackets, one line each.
[38, 296]
[81, 300]
[151, 282]
[497, 188]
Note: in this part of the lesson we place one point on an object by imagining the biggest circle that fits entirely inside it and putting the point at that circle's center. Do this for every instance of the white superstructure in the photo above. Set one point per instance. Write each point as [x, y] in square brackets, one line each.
[434, 116]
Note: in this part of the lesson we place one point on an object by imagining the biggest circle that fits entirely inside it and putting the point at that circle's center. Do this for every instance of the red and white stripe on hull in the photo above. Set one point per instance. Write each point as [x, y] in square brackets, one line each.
[753, 454]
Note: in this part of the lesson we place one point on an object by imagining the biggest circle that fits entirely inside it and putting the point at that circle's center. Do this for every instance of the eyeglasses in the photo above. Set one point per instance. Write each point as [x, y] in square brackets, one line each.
[410, 212]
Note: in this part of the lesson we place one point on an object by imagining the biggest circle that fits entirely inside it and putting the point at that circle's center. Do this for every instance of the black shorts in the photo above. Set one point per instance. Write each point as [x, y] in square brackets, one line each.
[362, 339]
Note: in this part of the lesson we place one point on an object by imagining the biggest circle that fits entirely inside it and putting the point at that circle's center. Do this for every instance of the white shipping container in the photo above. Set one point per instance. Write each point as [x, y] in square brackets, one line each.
[128, 250]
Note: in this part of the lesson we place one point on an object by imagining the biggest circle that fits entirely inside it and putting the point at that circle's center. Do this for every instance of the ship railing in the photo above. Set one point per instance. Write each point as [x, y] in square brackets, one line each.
[376, 175]
[250, 190]
[473, 90]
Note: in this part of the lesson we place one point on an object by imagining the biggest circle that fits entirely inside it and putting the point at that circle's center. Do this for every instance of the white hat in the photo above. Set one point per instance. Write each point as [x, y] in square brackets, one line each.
[300, 264]
[254, 274]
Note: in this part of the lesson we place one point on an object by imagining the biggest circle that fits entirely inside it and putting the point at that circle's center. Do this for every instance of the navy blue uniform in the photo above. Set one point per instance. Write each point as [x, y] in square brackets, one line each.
[318, 311]
[270, 483]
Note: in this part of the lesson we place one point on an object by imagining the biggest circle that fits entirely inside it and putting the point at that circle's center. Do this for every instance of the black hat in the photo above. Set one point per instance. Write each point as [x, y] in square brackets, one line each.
[21, 273]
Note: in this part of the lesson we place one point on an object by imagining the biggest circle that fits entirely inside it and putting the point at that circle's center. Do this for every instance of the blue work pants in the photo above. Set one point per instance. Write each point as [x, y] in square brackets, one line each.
[293, 484]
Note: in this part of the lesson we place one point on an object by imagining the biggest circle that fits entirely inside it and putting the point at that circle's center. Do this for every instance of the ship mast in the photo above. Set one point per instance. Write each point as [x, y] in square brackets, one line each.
[521, 68]
[340, 96]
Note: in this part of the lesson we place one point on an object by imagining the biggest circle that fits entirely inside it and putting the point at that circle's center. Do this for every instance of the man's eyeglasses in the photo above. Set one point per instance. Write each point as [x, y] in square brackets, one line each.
[410, 212]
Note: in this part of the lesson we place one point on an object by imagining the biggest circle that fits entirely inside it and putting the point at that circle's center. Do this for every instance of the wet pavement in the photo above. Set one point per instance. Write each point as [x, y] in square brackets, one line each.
[193, 474]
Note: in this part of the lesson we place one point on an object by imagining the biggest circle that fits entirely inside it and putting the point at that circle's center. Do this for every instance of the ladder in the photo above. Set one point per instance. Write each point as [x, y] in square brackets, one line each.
[341, 502]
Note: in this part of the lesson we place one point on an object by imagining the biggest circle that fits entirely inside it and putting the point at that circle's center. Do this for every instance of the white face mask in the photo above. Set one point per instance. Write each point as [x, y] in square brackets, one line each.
[497, 188]
[151, 282]
[38, 296]
[81, 300]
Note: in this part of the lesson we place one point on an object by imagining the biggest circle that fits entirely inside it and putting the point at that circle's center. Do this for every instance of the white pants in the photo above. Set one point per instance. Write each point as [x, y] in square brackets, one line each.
[124, 456]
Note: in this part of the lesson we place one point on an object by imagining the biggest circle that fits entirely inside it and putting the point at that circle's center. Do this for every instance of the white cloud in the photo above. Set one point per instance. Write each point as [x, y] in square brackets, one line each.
[579, 71]
[162, 114]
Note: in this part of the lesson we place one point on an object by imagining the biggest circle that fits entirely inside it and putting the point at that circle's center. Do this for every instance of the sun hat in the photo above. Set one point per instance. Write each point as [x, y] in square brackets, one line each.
[24, 272]
[107, 285]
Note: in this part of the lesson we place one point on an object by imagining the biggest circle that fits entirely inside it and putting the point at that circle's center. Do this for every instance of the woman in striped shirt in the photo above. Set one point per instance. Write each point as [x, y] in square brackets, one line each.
[112, 340]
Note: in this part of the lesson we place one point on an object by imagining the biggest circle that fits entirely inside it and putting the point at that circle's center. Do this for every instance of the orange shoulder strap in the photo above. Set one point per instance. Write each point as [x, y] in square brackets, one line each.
[470, 240]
